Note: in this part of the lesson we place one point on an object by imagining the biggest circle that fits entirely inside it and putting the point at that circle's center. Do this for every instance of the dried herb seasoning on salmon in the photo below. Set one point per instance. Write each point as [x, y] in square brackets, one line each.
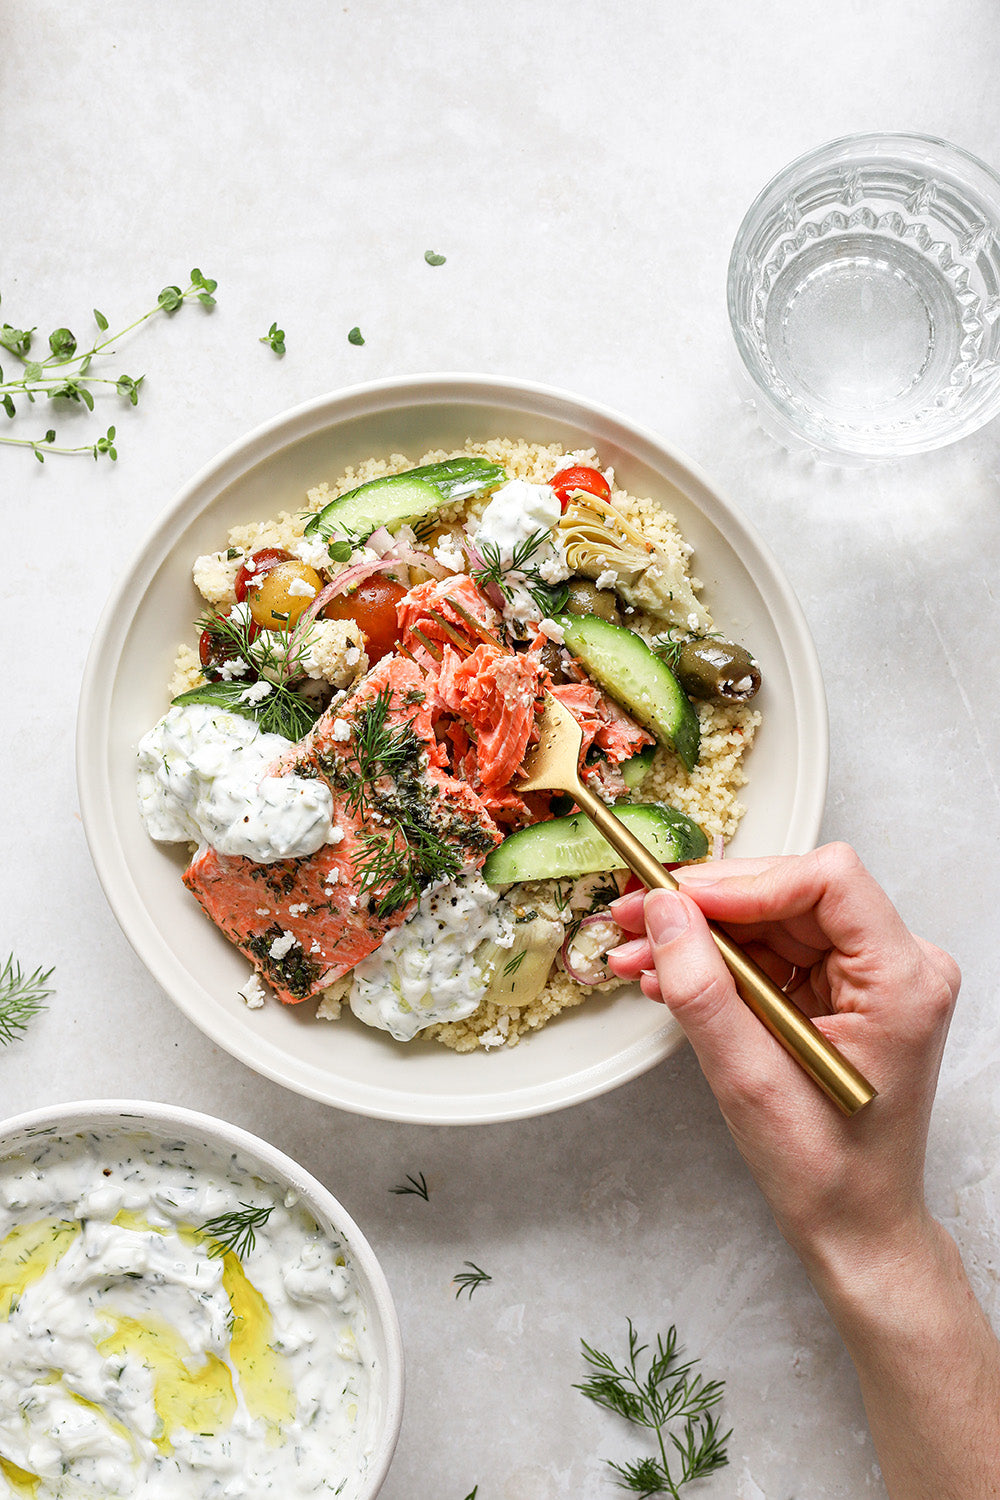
[343, 747]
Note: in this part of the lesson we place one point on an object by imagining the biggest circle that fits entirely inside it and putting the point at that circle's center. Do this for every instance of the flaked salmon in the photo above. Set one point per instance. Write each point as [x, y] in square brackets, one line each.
[401, 820]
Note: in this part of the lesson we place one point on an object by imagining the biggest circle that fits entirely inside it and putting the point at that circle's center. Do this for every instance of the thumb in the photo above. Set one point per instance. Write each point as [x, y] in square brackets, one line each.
[699, 989]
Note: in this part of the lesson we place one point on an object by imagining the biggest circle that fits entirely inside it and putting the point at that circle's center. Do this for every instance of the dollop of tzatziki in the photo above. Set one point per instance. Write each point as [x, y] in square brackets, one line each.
[433, 966]
[203, 779]
[517, 532]
[139, 1356]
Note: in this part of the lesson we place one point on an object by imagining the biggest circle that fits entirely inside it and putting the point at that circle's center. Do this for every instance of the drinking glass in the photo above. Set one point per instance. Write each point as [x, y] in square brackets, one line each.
[864, 297]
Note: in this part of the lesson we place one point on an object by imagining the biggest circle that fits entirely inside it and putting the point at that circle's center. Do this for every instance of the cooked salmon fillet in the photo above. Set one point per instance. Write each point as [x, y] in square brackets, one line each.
[305, 922]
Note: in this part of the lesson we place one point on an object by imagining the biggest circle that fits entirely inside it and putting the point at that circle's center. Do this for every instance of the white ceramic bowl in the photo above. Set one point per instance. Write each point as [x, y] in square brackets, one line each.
[113, 1119]
[587, 1050]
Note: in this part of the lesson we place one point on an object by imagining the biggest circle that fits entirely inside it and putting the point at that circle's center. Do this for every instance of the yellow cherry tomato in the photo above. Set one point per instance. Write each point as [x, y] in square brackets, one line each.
[283, 593]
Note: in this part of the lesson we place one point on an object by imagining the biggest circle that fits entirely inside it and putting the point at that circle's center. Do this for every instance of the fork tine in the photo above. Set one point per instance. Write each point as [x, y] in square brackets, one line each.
[425, 641]
[445, 626]
[410, 657]
[475, 625]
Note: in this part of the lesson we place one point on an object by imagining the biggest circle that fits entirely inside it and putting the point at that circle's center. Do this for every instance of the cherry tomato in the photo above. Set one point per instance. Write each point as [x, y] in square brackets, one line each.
[633, 883]
[215, 648]
[284, 591]
[567, 481]
[253, 570]
[372, 606]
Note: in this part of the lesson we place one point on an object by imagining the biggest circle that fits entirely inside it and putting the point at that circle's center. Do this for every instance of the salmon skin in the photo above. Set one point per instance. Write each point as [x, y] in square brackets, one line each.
[403, 821]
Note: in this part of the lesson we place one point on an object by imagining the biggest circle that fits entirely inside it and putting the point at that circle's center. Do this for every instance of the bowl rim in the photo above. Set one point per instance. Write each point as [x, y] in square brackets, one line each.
[242, 456]
[124, 1114]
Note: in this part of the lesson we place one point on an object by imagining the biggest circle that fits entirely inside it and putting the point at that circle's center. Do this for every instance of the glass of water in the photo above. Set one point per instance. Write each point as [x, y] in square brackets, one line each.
[864, 296]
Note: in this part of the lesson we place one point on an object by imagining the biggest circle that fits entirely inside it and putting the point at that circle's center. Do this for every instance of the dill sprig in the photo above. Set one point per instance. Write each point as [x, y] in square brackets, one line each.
[665, 1394]
[378, 749]
[235, 1230]
[280, 710]
[503, 574]
[415, 1185]
[21, 997]
[399, 859]
[468, 1280]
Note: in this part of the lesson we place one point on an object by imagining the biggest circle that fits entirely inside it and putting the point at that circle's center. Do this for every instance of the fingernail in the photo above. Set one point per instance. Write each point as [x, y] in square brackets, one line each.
[666, 916]
[629, 950]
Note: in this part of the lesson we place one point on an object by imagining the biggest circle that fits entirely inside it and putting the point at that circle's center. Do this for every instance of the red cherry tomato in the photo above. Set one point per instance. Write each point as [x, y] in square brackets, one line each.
[215, 648]
[253, 570]
[633, 883]
[567, 481]
[372, 606]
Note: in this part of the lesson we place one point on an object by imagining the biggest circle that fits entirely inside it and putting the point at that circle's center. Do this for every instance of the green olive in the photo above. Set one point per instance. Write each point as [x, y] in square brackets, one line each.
[718, 671]
[585, 598]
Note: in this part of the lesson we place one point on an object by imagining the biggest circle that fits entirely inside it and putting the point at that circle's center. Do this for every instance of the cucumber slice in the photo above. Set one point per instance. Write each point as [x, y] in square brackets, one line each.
[564, 848]
[405, 497]
[634, 770]
[623, 665]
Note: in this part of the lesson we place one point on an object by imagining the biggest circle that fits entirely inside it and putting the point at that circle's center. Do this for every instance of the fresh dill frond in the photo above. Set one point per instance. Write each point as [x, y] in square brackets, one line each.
[495, 569]
[236, 1230]
[666, 1393]
[377, 748]
[415, 1185]
[399, 859]
[21, 997]
[468, 1280]
[513, 964]
[272, 659]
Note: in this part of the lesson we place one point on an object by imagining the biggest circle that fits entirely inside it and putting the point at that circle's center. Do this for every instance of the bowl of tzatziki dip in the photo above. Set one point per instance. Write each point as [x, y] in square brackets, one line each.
[185, 1314]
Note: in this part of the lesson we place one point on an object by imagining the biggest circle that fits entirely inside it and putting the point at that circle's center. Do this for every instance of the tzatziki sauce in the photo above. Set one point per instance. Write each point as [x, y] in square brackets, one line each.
[141, 1357]
[435, 966]
[202, 777]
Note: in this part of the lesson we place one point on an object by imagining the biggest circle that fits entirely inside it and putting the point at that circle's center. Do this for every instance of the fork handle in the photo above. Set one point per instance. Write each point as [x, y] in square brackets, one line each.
[838, 1078]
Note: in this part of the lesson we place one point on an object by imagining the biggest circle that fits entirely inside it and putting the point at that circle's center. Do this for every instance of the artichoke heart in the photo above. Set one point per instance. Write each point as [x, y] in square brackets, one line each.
[599, 539]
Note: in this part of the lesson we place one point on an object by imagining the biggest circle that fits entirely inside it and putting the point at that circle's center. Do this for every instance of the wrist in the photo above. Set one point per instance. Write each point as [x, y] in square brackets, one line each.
[872, 1287]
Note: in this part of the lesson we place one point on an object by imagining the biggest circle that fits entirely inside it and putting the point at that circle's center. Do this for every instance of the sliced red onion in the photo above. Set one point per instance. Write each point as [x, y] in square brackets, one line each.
[477, 562]
[575, 975]
[718, 846]
[346, 580]
[415, 557]
[381, 541]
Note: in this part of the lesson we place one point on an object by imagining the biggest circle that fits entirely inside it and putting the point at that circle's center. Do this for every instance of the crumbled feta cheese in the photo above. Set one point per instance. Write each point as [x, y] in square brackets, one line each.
[553, 630]
[301, 588]
[336, 834]
[236, 667]
[607, 579]
[449, 554]
[282, 946]
[312, 550]
[352, 656]
[341, 731]
[256, 692]
[253, 994]
[299, 909]
[263, 911]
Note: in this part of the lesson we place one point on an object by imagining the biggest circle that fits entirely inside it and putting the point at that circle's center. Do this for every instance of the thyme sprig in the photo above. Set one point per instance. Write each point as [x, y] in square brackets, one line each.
[235, 1230]
[22, 996]
[666, 1393]
[65, 374]
[468, 1280]
[415, 1185]
[275, 339]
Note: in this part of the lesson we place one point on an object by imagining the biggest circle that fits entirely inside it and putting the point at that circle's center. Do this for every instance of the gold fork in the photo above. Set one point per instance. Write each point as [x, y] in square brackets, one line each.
[553, 765]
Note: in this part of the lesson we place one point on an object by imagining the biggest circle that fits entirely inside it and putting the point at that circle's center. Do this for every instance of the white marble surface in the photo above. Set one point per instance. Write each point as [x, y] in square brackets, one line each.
[584, 168]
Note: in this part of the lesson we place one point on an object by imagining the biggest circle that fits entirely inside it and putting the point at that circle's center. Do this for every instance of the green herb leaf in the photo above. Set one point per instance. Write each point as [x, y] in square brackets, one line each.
[170, 298]
[235, 1231]
[666, 1393]
[415, 1185]
[62, 343]
[275, 337]
[340, 551]
[21, 997]
[100, 320]
[355, 336]
[471, 1278]
[433, 259]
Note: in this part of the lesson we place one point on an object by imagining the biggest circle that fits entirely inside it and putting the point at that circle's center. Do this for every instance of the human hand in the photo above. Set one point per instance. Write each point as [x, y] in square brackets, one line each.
[822, 928]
